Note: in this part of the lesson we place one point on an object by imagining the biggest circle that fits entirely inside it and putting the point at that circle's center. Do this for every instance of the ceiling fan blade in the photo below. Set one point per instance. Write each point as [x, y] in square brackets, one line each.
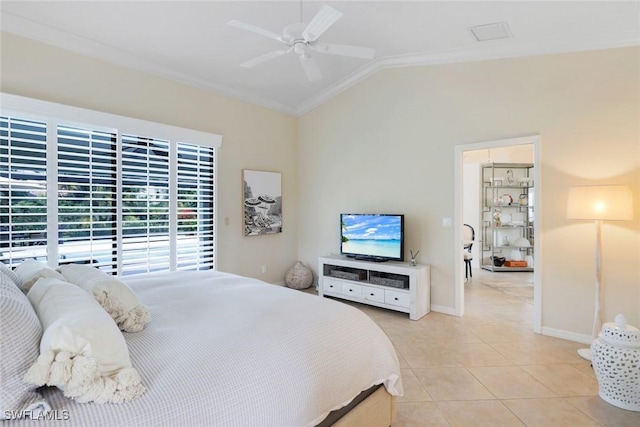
[248, 27]
[263, 58]
[344, 50]
[325, 18]
[310, 68]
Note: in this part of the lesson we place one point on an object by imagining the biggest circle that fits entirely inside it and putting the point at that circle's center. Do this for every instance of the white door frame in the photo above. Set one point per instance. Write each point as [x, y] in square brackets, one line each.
[458, 276]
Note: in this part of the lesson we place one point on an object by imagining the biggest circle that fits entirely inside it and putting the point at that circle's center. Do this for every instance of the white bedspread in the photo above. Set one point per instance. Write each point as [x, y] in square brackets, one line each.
[225, 350]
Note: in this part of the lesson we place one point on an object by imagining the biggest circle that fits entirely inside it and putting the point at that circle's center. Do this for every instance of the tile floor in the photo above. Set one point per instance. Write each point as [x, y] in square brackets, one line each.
[488, 368]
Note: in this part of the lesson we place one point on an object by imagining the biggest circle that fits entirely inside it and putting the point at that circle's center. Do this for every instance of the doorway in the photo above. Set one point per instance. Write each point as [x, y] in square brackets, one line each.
[487, 152]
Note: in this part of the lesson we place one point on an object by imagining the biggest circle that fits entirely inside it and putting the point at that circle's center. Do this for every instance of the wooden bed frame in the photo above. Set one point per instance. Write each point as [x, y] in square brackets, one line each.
[376, 409]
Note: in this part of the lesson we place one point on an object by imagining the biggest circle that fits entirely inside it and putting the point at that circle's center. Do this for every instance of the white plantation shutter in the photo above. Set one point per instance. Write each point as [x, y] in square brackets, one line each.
[87, 184]
[145, 205]
[23, 190]
[196, 218]
[125, 202]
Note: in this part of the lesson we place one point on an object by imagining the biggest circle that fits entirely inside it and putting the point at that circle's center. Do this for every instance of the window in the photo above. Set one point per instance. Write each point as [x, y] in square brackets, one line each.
[124, 202]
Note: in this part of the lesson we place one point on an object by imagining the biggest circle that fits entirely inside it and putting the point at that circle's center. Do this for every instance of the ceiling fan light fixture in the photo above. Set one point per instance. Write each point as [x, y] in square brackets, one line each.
[310, 67]
[495, 31]
[301, 39]
[300, 48]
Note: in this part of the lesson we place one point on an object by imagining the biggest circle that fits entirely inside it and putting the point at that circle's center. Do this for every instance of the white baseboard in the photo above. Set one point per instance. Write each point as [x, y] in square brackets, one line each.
[566, 335]
[551, 332]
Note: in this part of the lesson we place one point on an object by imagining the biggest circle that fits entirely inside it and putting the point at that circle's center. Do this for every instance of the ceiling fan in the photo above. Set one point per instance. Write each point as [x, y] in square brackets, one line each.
[302, 39]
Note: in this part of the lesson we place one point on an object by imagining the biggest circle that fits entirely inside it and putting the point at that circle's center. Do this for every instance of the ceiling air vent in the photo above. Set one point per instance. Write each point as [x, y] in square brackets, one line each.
[498, 30]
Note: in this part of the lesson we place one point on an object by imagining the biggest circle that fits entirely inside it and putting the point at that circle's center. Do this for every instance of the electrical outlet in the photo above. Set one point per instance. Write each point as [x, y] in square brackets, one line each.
[264, 269]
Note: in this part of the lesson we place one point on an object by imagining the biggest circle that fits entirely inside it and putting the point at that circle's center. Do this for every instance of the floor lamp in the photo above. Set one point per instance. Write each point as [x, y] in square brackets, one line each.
[599, 203]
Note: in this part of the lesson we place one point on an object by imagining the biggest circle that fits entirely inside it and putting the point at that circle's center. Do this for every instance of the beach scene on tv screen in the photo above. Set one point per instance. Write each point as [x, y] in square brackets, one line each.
[371, 235]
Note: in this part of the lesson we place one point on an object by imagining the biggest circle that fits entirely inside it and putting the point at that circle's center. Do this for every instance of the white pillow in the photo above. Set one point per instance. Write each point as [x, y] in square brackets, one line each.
[82, 352]
[113, 295]
[31, 270]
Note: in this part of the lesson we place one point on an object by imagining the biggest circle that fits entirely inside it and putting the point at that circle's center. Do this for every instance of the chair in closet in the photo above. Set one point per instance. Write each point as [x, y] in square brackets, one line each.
[468, 236]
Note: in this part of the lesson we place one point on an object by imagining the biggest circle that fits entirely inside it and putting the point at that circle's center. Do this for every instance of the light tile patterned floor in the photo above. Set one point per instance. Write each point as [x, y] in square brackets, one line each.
[488, 368]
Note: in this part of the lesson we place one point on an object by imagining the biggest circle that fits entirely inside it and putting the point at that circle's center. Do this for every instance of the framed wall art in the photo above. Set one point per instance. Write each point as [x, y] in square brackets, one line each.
[262, 202]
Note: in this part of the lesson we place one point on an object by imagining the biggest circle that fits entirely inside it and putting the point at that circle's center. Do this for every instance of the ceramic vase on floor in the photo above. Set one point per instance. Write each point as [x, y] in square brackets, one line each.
[299, 276]
[615, 356]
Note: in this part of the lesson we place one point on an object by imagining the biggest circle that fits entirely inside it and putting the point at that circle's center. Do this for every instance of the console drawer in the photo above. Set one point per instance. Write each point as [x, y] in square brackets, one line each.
[372, 294]
[351, 290]
[331, 285]
[401, 299]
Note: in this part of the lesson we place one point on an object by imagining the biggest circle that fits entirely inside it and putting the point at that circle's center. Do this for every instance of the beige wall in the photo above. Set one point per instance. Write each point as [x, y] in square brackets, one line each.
[386, 145]
[252, 137]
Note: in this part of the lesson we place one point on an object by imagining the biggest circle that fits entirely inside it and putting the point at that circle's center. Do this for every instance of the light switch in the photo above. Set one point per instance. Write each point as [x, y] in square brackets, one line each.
[447, 222]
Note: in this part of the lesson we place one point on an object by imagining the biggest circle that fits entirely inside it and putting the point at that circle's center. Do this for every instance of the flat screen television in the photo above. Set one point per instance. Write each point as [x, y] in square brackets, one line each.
[372, 237]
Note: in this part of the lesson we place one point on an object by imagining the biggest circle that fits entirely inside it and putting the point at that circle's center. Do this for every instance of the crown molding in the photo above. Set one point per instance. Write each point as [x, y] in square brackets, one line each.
[61, 39]
[493, 50]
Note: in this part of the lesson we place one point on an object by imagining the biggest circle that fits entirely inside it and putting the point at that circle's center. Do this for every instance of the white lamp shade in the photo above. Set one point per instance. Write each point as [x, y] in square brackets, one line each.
[600, 202]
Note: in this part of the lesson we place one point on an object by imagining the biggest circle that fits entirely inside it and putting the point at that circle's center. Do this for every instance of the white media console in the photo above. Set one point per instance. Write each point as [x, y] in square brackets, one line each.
[393, 285]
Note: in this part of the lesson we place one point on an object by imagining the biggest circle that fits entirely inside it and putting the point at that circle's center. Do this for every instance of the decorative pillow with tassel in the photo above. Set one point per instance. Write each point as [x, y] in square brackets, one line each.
[31, 270]
[114, 296]
[82, 352]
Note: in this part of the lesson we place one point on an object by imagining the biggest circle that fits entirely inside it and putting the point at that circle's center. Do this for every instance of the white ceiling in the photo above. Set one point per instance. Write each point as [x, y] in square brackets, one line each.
[190, 41]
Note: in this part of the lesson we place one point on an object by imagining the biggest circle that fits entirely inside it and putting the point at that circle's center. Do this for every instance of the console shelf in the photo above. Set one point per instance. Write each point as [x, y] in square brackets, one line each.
[393, 285]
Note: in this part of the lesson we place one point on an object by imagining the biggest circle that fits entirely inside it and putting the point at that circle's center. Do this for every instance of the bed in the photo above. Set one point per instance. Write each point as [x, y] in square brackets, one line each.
[227, 350]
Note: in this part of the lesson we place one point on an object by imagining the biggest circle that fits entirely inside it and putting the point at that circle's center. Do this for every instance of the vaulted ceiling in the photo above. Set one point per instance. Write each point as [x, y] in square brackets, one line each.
[191, 41]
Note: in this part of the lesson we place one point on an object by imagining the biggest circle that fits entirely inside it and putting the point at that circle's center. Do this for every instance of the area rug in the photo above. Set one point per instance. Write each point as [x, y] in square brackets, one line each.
[521, 291]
